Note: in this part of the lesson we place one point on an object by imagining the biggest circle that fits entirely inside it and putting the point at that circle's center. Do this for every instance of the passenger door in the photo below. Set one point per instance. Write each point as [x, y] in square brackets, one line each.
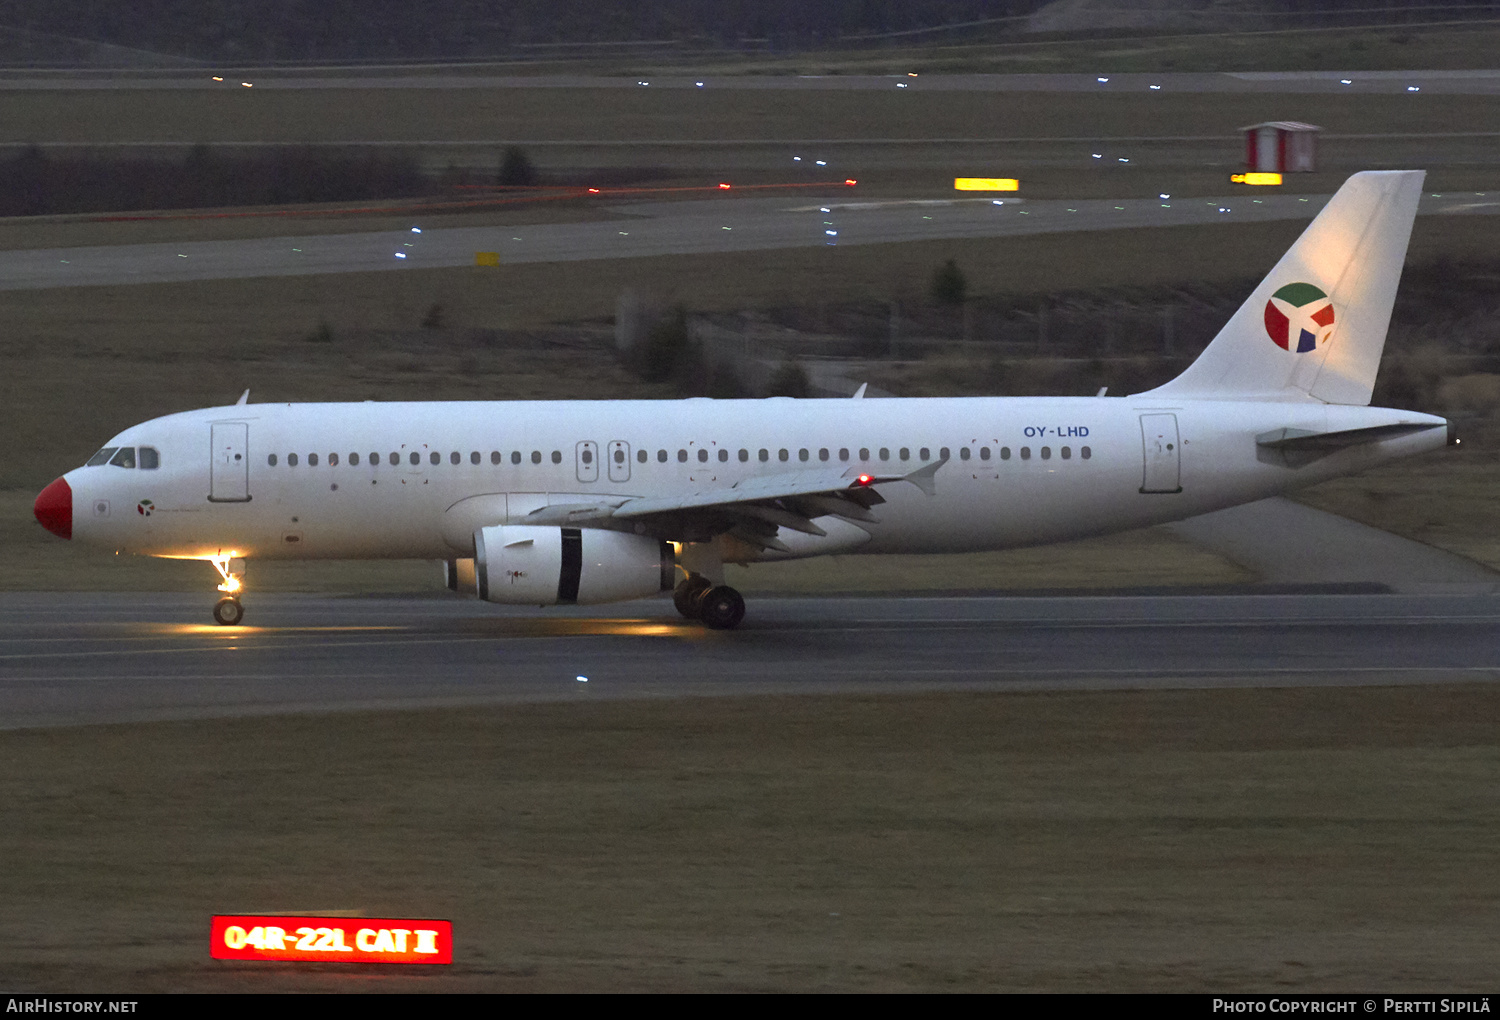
[1161, 450]
[229, 464]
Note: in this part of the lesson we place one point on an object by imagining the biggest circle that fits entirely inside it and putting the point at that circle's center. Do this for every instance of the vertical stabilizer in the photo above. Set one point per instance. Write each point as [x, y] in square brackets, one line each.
[1315, 326]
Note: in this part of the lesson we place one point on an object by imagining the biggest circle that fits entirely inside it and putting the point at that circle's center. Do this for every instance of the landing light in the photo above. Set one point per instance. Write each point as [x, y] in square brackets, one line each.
[850, 181]
[1260, 178]
[723, 186]
[593, 191]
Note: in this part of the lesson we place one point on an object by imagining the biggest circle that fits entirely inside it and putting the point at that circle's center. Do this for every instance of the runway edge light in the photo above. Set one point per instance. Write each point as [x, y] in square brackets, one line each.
[310, 939]
[1255, 178]
[986, 184]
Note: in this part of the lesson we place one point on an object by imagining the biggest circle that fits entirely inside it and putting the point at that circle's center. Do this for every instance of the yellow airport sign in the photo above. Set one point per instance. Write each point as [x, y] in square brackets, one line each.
[486, 258]
[1255, 178]
[986, 184]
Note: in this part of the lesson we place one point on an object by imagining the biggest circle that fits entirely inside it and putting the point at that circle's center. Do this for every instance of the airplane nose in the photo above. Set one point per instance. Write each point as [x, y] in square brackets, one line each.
[54, 508]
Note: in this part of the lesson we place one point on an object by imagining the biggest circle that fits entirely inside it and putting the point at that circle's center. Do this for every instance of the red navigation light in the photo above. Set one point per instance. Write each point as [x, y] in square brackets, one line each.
[864, 480]
[723, 186]
[850, 181]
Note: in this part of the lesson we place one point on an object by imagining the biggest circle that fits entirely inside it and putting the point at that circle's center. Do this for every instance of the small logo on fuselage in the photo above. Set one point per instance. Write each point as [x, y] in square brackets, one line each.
[1299, 318]
[144, 507]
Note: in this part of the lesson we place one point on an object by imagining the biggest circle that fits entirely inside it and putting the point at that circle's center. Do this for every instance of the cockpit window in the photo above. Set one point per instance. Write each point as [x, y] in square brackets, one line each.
[124, 457]
[102, 457]
[150, 461]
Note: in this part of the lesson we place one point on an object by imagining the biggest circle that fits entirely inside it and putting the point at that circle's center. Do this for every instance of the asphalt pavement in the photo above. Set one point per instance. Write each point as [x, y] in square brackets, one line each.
[78, 658]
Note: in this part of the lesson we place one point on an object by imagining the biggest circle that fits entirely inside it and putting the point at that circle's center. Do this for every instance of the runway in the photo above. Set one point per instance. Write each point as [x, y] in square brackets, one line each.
[660, 228]
[68, 659]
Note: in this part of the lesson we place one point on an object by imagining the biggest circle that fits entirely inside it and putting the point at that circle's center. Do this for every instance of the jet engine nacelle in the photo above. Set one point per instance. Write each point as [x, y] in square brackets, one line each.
[537, 566]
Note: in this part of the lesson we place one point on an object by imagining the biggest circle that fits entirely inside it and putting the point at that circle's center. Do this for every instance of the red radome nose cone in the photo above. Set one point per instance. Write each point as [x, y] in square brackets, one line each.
[54, 508]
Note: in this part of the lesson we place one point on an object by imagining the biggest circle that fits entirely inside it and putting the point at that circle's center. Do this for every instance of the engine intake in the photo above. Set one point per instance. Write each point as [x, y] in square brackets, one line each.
[536, 566]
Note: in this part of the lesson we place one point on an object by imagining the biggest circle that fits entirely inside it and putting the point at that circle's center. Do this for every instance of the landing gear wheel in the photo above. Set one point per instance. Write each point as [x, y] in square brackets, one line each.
[722, 608]
[688, 596]
[228, 612]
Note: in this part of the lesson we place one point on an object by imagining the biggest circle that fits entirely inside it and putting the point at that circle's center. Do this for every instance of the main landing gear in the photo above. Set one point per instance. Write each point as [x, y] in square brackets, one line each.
[228, 612]
[718, 607]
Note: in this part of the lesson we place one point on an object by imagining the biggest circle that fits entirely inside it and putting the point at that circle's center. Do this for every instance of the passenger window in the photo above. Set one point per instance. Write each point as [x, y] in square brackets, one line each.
[271, 460]
[587, 456]
[536, 456]
[723, 456]
[333, 460]
[434, 458]
[843, 453]
[744, 456]
[124, 457]
[456, 458]
[395, 458]
[291, 460]
[640, 456]
[312, 460]
[905, 453]
[102, 457]
[823, 453]
[984, 453]
[682, 456]
[765, 455]
[1067, 453]
[557, 456]
[802, 454]
[515, 456]
[963, 453]
[149, 460]
[619, 456]
[354, 460]
[374, 460]
[1004, 453]
[926, 454]
[702, 456]
[1085, 452]
[885, 454]
[783, 455]
[1046, 453]
[1025, 453]
[416, 458]
[864, 453]
[661, 456]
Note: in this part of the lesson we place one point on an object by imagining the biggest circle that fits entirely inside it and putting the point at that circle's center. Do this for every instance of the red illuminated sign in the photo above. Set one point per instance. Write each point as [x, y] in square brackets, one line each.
[330, 939]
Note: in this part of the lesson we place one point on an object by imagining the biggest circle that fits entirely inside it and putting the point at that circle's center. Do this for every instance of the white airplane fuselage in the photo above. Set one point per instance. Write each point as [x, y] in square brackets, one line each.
[414, 480]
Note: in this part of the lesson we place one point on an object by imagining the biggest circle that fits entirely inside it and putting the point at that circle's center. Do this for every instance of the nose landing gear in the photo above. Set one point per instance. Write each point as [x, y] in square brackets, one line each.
[228, 612]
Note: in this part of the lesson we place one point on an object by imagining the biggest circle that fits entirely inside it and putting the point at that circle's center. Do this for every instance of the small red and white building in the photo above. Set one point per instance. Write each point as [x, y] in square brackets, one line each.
[1281, 147]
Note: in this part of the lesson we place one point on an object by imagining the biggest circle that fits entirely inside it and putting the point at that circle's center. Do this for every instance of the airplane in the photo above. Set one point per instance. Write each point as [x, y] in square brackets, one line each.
[586, 502]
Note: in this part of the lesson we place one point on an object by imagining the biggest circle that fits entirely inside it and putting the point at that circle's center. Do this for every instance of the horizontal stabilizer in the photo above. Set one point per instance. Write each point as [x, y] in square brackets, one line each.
[1301, 439]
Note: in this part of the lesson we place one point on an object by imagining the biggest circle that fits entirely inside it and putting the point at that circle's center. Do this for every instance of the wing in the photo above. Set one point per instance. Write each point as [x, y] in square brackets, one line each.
[751, 510]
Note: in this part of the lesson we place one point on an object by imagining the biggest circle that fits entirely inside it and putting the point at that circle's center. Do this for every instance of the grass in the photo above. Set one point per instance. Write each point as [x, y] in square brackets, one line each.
[1295, 840]
[518, 115]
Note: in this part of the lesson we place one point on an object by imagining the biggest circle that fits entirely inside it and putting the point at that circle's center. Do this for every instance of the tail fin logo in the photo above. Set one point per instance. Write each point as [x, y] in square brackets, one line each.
[1299, 318]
